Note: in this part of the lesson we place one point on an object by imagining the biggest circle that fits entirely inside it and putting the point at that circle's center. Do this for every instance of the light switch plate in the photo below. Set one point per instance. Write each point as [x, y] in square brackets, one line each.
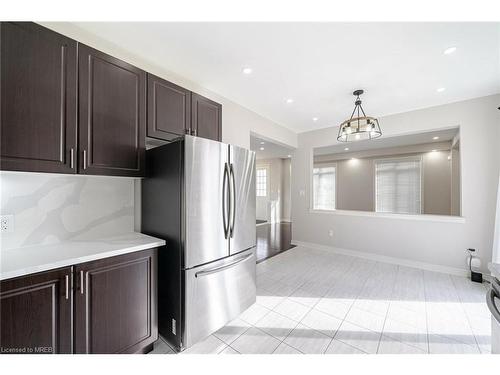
[7, 223]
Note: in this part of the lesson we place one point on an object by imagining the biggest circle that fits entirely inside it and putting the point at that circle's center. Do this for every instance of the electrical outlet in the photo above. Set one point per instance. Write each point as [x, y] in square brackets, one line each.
[7, 223]
[330, 232]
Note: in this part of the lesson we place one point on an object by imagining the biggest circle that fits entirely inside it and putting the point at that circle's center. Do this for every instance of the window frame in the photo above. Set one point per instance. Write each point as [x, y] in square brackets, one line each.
[324, 165]
[268, 182]
[418, 158]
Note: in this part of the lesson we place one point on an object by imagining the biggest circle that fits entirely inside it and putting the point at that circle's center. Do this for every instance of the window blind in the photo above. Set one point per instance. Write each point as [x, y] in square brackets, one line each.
[398, 185]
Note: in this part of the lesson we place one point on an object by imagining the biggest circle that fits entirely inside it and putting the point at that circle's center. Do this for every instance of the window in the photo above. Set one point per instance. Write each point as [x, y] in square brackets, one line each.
[261, 182]
[398, 185]
[324, 188]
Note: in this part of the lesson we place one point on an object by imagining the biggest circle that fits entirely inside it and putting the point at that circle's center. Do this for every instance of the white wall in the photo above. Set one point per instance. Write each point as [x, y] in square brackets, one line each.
[286, 209]
[437, 183]
[441, 243]
[237, 121]
[270, 207]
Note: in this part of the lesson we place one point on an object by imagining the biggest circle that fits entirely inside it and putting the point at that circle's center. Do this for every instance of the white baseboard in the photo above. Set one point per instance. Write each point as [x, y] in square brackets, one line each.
[386, 259]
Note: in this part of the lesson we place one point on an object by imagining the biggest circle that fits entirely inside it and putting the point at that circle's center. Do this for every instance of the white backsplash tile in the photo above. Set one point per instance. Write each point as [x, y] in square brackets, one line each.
[51, 208]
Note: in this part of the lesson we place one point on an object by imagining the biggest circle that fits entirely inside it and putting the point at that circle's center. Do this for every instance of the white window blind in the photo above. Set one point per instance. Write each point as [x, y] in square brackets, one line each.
[324, 188]
[261, 182]
[398, 185]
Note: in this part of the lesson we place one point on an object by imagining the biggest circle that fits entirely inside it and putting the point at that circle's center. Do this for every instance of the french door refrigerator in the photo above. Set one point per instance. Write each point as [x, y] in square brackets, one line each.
[199, 195]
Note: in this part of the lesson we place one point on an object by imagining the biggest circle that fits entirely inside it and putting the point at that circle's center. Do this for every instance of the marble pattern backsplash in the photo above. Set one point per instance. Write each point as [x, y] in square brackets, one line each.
[51, 208]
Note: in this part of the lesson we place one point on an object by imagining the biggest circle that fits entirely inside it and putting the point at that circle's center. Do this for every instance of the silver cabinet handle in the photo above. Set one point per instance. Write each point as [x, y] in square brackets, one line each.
[72, 158]
[67, 286]
[193, 132]
[222, 268]
[81, 282]
[84, 159]
[224, 202]
[232, 195]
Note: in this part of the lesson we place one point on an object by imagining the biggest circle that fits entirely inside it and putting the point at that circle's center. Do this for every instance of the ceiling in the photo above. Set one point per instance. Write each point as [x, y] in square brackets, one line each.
[399, 65]
[270, 149]
[388, 142]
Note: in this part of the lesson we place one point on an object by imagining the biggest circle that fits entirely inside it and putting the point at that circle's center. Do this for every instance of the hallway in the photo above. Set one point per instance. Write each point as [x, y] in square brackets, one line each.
[273, 239]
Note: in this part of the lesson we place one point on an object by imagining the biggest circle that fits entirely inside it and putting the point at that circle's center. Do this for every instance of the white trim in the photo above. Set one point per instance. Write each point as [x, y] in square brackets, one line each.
[386, 259]
[384, 215]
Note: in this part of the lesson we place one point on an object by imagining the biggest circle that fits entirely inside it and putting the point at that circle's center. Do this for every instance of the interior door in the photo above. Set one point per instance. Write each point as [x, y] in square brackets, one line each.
[206, 188]
[242, 213]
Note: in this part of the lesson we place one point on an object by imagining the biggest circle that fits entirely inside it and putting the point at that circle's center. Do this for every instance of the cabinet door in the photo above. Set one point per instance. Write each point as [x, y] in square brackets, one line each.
[38, 99]
[36, 313]
[169, 109]
[115, 304]
[112, 115]
[206, 118]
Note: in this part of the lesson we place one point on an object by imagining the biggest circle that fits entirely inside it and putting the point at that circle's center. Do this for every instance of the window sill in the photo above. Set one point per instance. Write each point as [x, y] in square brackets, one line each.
[435, 218]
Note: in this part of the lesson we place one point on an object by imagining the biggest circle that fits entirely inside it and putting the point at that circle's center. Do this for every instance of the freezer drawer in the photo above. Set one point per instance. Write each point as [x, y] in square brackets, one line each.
[216, 293]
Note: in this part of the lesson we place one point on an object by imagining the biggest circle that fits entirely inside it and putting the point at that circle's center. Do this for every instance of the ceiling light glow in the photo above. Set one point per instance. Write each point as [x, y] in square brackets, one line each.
[450, 50]
[315, 119]
[441, 89]
[247, 70]
[346, 149]
[262, 149]
[289, 101]
[435, 138]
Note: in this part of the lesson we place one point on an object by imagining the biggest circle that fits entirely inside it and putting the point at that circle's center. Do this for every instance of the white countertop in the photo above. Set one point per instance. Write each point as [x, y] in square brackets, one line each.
[495, 269]
[25, 260]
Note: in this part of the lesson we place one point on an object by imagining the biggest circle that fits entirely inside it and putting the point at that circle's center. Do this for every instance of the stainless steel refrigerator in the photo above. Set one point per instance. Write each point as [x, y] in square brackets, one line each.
[199, 195]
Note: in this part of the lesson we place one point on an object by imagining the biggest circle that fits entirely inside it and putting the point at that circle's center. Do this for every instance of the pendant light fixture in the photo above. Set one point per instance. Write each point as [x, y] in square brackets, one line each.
[359, 126]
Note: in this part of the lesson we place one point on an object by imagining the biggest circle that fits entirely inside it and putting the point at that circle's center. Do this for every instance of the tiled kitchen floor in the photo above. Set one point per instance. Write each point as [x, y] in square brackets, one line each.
[316, 301]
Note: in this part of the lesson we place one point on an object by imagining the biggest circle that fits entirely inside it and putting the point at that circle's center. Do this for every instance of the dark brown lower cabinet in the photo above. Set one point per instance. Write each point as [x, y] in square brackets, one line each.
[115, 304]
[106, 306]
[36, 313]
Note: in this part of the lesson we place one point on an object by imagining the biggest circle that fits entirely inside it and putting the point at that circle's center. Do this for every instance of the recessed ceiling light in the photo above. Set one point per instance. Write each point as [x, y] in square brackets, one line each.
[289, 156]
[435, 138]
[247, 70]
[450, 50]
[441, 89]
[262, 143]
[289, 101]
[346, 149]
[434, 150]
[262, 149]
[315, 119]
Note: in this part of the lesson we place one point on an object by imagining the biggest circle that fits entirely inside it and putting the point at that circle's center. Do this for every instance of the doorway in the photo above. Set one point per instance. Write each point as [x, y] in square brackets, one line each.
[273, 196]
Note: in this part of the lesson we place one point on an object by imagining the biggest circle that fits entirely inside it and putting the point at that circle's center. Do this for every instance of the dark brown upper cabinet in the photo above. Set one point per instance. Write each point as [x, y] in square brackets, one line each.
[115, 304]
[206, 118]
[36, 313]
[38, 99]
[112, 114]
[169, 109]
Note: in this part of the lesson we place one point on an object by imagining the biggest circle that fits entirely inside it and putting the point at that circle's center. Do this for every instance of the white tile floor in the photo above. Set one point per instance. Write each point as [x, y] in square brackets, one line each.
[315, 301]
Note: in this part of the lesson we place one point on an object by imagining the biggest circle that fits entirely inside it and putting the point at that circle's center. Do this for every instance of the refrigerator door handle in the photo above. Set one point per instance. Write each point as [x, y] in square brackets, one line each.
[224, 199]
[233, 200]
[222, 268]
